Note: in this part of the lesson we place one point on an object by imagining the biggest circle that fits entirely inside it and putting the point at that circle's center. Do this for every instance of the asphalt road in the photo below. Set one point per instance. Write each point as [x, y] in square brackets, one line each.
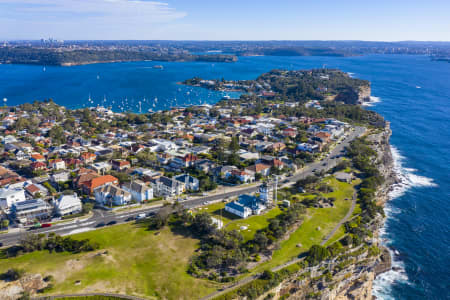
[102, 218]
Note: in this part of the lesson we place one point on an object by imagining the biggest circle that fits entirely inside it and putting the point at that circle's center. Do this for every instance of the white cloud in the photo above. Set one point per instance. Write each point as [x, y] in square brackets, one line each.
[80, 19]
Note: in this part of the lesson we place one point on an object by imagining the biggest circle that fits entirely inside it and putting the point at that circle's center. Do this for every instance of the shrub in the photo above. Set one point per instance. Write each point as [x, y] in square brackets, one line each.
[12, 274]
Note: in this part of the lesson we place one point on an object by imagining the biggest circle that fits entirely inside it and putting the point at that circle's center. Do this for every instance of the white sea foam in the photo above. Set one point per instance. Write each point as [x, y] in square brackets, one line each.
[382, 286]
[372, 101]
[406, 176]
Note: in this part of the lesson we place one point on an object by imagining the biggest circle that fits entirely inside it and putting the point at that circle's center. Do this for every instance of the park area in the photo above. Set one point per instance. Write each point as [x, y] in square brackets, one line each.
[133, 260]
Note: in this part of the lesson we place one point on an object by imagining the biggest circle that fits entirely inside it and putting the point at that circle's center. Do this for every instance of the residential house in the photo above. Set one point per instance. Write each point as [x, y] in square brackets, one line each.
[73, 162]
[190, 183]
[164, 186]
[307, 147]
[37, 157]
[247, 205]
[60, 177]
[290, 132]
[322, 137]
[9, 196]
[105, 153]
[28, 211]
[243, 175]
[57, 164]
[38, 166]
[224, 171]
[110, 194]
[139, 190]
[259, 168]
[120, 165]
[88, 187]
[35, 190]
[276, 147]
[88, 157]
[68, 205]
[204, 165]
[184, 162]
[101, 167]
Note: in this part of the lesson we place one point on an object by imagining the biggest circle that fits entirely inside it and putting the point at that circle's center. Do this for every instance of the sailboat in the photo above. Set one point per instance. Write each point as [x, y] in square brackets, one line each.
[44, 69]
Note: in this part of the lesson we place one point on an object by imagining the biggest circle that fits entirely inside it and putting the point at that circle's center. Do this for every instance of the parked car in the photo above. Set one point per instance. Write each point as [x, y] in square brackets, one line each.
[100, 225]
[111, 223]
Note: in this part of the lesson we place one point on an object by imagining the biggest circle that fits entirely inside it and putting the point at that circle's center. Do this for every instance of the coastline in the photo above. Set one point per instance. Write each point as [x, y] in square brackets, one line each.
[364, 289]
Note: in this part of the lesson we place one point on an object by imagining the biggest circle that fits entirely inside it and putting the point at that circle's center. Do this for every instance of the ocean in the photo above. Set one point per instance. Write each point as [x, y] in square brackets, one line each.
[412, 92]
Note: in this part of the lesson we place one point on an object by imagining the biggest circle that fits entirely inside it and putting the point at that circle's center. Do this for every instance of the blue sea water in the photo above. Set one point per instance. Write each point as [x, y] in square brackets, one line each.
[411, 91]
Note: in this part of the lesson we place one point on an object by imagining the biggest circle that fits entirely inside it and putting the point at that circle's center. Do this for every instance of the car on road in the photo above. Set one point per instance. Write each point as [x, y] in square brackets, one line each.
[140, 216]
[152, 213]
[111, 223]
[100, 225]
[129, 219]
[324, 164]
[285, 181]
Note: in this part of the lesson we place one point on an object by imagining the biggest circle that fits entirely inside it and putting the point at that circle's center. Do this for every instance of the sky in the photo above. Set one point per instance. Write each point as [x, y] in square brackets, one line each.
[380, 20]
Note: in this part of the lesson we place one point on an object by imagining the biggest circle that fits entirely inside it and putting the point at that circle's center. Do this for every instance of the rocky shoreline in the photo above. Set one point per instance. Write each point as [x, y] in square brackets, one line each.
[355, 280]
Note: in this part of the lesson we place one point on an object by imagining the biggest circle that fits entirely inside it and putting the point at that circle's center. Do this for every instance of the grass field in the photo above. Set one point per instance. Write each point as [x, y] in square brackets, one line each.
[230, 221]
[317, 224]
[137, 262]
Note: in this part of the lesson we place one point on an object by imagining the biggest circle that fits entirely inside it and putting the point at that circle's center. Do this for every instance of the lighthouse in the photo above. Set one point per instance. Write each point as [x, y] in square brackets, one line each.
[264, 193]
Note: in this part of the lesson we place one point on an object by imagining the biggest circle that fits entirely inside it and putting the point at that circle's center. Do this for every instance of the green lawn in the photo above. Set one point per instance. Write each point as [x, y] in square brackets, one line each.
[230, 221]
[137, 262]
[317, 224]
[253, 223]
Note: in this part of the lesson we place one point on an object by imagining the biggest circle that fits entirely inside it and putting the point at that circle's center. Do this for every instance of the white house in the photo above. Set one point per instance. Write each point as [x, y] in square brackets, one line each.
[164, 186]
[58, 164]
[247, 205]
[101, 167]
[190, 183]
[30, 210]
[159, 145]
[308, 147]
[139, 190]
[111, 194]
[9, 196]
[68, 205]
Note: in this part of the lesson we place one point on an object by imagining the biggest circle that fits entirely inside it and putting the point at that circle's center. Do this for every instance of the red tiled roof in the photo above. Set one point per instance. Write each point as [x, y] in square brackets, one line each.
[99, 181]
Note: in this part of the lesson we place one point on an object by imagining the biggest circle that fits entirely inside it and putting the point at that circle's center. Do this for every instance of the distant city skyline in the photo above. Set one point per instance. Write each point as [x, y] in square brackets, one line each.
[383, 20]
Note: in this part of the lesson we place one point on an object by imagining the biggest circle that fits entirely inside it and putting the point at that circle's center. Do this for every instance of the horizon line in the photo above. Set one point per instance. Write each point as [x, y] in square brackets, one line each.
[232, 40]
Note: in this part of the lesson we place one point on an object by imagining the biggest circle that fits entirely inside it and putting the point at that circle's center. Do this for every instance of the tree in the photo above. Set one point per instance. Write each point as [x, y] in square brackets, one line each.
[234, 145]
[5, 223]
[57, 134]
[12, 274]
[317, 254]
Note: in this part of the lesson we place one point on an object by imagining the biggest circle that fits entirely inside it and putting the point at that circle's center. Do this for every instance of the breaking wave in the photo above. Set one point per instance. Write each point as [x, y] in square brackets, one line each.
[382, 286]
[372, 101]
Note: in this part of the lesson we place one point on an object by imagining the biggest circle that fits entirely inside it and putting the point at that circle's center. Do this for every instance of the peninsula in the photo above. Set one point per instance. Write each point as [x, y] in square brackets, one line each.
[276, 194]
